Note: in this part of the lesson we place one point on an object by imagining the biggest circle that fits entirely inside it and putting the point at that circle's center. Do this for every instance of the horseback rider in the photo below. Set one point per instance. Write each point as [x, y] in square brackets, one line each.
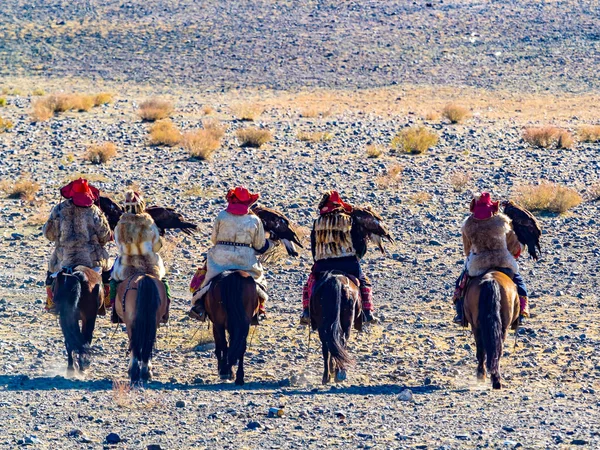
[489, 243]
[138, 243]
[335, 246]
[79, 231]
[238, 237]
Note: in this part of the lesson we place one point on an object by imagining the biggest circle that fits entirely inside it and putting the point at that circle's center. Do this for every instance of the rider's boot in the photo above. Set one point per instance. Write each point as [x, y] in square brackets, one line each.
[198, 312]
[50, 305]
[305, 317]
[366, 295]
[524, 302]
[261, 314]
[458, 318]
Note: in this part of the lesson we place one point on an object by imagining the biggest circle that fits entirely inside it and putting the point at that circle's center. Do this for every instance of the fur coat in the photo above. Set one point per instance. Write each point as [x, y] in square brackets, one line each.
[138, 242]
[247, 229]
[489, 244]
[331, 236]
[79, 236]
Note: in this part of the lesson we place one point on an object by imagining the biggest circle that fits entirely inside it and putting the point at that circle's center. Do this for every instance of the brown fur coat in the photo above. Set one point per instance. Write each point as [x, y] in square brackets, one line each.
[138, 241]
[490, 243]
[79, 235]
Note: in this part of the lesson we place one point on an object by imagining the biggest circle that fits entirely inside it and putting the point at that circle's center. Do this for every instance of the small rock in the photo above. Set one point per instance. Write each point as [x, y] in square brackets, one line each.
[113, 438]
[180, 404]
[579, 442]
[405, 396]
[253, 425]
[153, 447]
[509, 429]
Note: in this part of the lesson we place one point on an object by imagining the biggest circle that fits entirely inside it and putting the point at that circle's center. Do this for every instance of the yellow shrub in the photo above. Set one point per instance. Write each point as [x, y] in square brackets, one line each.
[253, 137]
[165, 132]
[542, 137]
[547, 196]
[565, 139]
[374, 150]
[392, 178]
[24, 188]
[315, 136]
[5, 125]
[101, 153]
[103, 98]
[200, 144]
[2, 102]
[589, 133]
[155, 109]
[416, 139]
[247, 112]
[455, 113]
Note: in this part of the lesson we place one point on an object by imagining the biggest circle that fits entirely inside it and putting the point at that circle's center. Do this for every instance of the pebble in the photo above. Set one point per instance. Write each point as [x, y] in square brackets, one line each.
[253, 425]
[405, 396]
[180, 404]
[113, 438]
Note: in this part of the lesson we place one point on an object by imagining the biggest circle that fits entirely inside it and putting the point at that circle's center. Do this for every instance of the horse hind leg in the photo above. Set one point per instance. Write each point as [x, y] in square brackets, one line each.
[134, 370]
[480, 355]
[146, 371]
[239, 376]
[326, 364]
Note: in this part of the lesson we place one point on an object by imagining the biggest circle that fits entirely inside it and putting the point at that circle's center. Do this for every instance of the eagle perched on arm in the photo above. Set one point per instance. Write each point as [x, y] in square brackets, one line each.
[369, 226]
[279, 227]
[164, 218]
[525, 226]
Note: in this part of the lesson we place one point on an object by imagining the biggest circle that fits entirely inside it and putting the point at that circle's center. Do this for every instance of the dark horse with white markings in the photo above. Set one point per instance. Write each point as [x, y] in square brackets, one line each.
[491, 306]
[78, 296]
[334, 307]
[231, 302]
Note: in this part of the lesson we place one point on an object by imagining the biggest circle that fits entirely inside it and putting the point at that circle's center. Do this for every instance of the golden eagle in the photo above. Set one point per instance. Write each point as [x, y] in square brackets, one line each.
[279, 227]
[368, 226]
[525, 226]
[165, 218]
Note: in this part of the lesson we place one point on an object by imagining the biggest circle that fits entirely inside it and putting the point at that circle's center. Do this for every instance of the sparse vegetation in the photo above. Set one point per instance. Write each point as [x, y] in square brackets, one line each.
[103, 98]
[24, 188]
[415, 140]
[419, 198]
[253, 137]
[542, 137]
[101, 153]
[155, 109]
[374, 150]
[48, 106]
[459, 181]
[455, 113]
[546, 196]
[564, 139]
[5, 125]
[589, 133]
[38, 92]
[11, 91]
[313, 112]
[392, 178]
[432, 116]
[91, 177]
[314, 136]
[165, 132]
[247, 112]
[203, 143]
[2, 102]
[207, 110]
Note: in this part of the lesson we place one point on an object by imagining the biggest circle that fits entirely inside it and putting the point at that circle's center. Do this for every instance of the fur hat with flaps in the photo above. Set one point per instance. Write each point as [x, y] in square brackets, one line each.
[134, 203]
[331, 202]
[483, 207]
[239, 200]
[81, 193]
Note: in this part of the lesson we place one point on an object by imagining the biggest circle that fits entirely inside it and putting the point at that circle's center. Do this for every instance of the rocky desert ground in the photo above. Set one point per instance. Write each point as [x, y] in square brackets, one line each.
[333, 82]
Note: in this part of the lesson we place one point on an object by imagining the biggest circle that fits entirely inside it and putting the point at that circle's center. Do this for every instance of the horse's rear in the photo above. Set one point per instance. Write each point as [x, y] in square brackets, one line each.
[231, 302]
[491, 306]
[141, 303]
[334, 305]
[78, 297]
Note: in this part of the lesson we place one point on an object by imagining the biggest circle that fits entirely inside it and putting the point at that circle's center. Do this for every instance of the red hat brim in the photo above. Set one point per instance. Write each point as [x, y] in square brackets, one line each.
[80, 193]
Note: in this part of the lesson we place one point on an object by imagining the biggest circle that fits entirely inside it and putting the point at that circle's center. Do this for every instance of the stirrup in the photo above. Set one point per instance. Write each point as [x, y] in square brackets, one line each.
[305, 317]
[198, 315]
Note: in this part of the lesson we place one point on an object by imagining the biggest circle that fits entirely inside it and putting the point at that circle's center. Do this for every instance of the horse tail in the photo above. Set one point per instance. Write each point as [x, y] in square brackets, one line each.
[331, 293]
[67, 296]
[238, 323]
[143, 328]
[490, 322]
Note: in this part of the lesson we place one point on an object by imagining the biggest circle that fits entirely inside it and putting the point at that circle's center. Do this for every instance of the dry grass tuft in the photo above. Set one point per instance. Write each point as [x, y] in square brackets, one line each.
[415, 140]
[207, 110]
[392, 177]
[542, 137]
[24, 188]
[589, 133]
[419, 198]
[103, 98]
[253, 137]
[5, 125]
[247, 112]
[46, 107]
[91, 177]
[374, 150]
[155, 109]
[432, 116]
[459, 181]
[203, 143]
[126, 396]
[313, 112]
[564, 139]
[455, 113]
[101, 153]
[39, 217]
[315, 136]
[2, 102]
[38, 92]
[165, 132]
[546, 196]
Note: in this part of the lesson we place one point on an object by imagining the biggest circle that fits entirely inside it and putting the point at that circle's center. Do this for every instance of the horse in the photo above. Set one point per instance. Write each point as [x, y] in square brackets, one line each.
[231, 302]
[141, 303]
[78, 297]
[335, 305]
[491, 306]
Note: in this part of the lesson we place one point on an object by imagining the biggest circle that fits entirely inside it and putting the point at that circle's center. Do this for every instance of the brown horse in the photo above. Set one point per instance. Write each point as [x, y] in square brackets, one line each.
[141, 303]
[491, 306]
[334, 307]
[231, 302]
[78, 296]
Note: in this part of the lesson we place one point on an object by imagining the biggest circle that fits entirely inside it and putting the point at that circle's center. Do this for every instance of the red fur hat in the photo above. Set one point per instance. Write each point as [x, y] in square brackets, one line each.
[483, 207]
[331, 201]
[81, 193]
[240, 199]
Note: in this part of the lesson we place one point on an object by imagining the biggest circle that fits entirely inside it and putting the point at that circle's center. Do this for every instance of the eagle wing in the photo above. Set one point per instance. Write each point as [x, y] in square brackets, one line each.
[279, 227]
[525, 226]
[111, 210]
[370, 226]
[168, 218]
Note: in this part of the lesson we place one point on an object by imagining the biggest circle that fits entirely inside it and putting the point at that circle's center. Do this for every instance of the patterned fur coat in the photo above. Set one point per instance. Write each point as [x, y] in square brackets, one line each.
[490, 243]
[79, 236]
[332, 236]
[138, 242]
[246, 229]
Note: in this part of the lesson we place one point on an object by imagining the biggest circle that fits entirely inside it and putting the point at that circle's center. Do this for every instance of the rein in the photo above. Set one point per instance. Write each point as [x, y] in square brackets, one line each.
[127, 289]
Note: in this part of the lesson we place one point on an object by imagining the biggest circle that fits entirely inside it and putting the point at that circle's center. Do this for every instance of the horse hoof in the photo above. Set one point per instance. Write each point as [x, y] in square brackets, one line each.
[146, 375]
[134, 374]
[480, 375]
[497, 385]
[340, 375]
[239, 382]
